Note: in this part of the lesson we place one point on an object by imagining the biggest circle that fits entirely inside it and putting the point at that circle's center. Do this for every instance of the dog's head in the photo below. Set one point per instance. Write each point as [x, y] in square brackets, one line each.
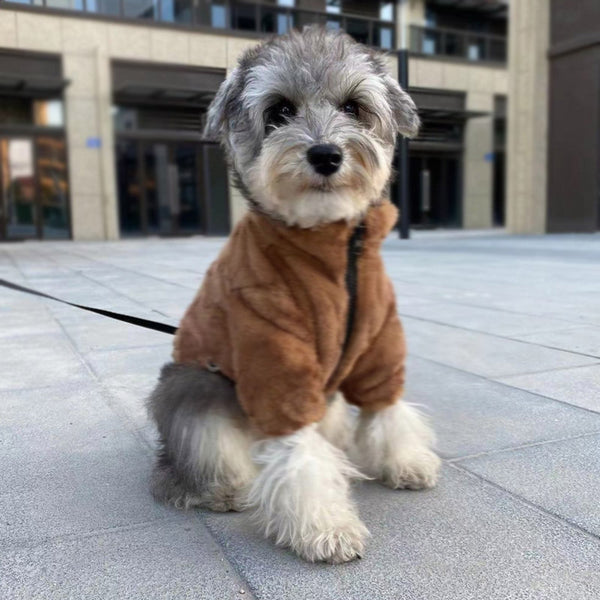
[309, 121]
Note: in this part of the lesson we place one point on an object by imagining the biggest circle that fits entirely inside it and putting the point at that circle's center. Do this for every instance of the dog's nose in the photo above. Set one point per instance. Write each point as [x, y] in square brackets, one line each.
[325, 158]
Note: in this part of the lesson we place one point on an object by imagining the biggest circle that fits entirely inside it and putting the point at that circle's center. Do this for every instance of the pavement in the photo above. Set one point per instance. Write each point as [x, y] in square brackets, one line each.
[504, 343]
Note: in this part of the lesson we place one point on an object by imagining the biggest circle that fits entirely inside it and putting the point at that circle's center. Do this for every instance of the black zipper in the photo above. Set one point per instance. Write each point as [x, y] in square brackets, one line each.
[355, 246]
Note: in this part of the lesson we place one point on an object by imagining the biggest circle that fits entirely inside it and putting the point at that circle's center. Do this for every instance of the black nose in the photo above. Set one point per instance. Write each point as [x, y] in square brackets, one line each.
[325, 158]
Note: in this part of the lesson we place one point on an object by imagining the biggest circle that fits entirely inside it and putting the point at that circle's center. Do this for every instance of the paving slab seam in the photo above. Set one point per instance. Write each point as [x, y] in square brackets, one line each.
[123, 348]
[522, 500]
[502, 337]
[514, 387]
[25, 543]
[230, 559]
[126, 270]
[135, 301]
[81, 273]
[436, 298]
[458, 459]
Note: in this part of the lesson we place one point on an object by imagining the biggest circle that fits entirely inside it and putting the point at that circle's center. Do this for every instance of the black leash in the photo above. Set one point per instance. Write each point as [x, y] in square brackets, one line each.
[146, 323]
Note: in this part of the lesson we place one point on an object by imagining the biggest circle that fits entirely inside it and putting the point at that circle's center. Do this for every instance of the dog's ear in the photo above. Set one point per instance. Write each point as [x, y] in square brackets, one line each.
[222, 106]
[404, 110]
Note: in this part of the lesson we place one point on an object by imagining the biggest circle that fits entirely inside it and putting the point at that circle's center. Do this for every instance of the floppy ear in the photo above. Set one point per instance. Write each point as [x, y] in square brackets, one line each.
[404, 109]
[221, 107]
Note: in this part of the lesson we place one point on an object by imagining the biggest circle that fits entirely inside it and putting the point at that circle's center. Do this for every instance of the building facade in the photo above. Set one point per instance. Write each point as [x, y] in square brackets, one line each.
[554, 140]
[102, 104]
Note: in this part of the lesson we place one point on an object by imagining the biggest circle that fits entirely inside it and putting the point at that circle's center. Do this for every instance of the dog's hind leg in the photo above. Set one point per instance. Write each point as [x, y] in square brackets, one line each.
[204, 458]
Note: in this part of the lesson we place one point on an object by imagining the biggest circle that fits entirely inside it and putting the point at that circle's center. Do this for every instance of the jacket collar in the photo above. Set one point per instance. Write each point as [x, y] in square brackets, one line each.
[333, 237]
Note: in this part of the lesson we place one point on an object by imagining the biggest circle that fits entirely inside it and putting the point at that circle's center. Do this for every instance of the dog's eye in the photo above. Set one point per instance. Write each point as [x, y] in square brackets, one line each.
[279, 114]
[351, 108]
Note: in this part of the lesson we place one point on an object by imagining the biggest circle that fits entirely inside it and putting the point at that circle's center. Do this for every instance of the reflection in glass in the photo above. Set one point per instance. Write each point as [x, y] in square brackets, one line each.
[104, 7]
[18, 187]
[383, 36]
[51, 161]
[65, 4]
[48, 113]
[386, 11]
[140, 9]
[218, 16]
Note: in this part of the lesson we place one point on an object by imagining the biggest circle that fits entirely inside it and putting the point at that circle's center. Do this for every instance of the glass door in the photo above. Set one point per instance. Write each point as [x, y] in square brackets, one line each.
[53, 186]
[18, 210]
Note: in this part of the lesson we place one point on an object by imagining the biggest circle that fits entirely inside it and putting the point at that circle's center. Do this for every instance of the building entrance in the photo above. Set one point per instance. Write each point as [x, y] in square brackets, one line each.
[34, 199]
[171, 188]
[435, 190]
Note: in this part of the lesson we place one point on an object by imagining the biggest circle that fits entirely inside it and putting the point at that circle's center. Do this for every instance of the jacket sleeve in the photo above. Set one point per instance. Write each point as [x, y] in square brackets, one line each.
[279, 381]
[377, 378]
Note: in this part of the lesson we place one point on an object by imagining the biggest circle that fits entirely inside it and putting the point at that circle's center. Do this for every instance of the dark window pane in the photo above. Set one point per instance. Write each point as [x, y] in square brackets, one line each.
[176, 11]
[185, 156]
[217, 191]
[358, 29]
[15, 111]
[128, 187]
[51, 160]
[274, 21]
[244, 17]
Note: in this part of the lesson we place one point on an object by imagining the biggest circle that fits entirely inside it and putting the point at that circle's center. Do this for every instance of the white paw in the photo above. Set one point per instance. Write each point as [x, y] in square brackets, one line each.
[414, 471]
[336, 546]
[394, 446]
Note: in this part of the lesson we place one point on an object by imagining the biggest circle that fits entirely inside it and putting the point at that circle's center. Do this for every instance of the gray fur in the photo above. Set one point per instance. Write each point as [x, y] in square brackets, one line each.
[194, 409]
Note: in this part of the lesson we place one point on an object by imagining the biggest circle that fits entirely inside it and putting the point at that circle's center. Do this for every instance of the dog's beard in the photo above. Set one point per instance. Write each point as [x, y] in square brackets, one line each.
[283, 183]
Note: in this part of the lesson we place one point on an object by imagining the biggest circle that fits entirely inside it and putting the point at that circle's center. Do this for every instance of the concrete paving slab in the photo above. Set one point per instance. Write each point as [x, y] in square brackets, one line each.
[579, 386]
[563, 477]
[38, 360]
[485, 320]
[74, 504]
[471, 414]
[174, 559]
[69, 466]
[465, 539]
[483, 354]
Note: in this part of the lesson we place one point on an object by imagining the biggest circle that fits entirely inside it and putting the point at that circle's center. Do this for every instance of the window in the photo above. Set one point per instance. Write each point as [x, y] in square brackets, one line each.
[334, 6]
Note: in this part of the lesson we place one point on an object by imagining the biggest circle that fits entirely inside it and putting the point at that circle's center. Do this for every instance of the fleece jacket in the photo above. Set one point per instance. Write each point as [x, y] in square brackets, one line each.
[272, 315]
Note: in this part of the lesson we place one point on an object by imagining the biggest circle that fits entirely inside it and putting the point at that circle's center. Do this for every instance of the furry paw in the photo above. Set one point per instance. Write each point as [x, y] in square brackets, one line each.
[394, 446]
[336, 546]
[416, 471]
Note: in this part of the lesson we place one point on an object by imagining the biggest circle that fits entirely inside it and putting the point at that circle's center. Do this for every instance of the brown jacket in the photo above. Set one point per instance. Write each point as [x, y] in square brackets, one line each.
[272, 315]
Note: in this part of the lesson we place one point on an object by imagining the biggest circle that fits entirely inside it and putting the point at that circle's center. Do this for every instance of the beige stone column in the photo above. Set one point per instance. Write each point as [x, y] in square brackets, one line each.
[89, 131]
[477, 164]
[526, 203]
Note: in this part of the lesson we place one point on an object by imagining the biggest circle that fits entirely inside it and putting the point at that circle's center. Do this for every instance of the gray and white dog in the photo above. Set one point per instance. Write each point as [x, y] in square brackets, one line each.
[285, 96]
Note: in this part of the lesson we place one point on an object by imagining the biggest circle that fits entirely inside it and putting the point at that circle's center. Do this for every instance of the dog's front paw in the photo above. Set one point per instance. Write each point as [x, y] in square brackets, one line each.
[336, 546]
[416, 470]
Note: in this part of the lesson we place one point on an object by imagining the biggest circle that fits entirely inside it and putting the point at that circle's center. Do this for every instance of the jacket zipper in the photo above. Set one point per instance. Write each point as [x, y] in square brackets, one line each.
[355, 246]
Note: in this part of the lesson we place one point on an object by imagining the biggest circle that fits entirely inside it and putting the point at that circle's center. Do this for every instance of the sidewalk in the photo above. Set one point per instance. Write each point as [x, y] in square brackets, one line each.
[504, 342]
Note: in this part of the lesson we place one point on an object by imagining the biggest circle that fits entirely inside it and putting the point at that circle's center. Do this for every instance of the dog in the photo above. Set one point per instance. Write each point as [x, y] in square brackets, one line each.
[296, 319]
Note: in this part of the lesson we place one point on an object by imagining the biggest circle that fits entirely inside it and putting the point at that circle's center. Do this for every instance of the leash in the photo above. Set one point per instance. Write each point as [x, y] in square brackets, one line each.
[145, 323]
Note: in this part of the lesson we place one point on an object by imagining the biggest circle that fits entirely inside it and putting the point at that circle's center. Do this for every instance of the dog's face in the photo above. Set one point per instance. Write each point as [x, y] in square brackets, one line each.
[309, 121]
